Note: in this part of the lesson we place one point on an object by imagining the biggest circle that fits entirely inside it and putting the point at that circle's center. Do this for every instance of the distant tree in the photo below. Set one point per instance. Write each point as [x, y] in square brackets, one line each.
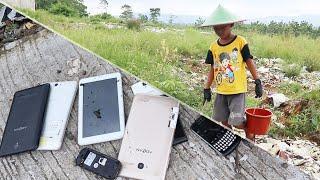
[154, 14]
[68, 7]
[171, 19]
[45, 4]
[105, 4]
[127, 12]
[316, 33]
[199, 21]
[143, 18]
[281, 28]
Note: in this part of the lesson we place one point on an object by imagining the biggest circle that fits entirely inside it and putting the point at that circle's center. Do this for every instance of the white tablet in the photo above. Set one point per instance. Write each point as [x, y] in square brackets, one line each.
[58, 110]
[101, 114]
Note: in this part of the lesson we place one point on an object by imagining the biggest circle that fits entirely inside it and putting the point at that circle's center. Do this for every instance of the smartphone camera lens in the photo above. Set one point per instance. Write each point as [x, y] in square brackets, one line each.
[140, 165]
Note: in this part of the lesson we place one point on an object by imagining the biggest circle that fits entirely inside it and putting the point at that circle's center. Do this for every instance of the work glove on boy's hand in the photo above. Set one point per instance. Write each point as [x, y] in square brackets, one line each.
[258, 88]
[206, 95]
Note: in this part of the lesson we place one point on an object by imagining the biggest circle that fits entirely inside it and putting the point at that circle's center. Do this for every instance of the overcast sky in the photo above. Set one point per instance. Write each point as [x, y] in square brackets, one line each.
[244, 8]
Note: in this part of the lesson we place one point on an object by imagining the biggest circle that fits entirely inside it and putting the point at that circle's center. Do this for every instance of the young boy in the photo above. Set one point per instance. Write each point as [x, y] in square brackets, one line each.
[229, 56]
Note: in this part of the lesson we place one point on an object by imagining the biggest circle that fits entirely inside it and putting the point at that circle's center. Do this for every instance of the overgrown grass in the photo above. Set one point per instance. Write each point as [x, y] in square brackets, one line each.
[291, 70]
[293, 90]
[301, 50]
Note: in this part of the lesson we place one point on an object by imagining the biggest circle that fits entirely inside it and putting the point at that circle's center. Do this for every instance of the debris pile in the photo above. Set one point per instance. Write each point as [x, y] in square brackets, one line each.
[272, 75]
[302, 153]
[113, 26]
[14, 26]
[308, 80]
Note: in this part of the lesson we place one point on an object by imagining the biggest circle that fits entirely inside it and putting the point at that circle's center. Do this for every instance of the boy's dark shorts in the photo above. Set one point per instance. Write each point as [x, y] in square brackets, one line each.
[230, 108]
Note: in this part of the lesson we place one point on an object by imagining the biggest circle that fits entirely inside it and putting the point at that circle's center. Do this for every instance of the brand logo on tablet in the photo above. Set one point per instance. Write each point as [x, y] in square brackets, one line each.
[20, 128]
[144, 151]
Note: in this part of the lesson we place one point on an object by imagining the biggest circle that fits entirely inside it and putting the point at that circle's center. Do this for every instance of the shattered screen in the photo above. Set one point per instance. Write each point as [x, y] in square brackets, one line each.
[100, 108]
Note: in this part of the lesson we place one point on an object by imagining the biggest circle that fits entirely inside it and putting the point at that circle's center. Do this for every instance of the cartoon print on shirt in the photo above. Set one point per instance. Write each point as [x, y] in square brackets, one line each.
[226, 69]
[234, 55]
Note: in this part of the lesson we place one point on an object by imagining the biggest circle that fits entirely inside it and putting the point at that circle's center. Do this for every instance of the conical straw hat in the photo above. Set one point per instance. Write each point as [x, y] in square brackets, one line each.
[221, 16]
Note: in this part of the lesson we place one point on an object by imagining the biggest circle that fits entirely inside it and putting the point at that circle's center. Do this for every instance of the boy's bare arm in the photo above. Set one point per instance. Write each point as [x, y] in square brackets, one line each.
[210, 78]
[252, 68]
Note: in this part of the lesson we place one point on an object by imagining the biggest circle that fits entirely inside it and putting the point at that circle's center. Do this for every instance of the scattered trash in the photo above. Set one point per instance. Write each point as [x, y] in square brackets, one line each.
[113, 26]
[14, 26]
[302, 153]
[294, 107]
[29, 25]
[277, 99]
[279, 125]
[283, 155]
[156, 30]
[263, 70]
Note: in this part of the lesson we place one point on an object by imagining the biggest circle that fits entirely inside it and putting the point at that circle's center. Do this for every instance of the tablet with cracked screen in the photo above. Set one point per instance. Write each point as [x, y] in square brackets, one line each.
[101, 114]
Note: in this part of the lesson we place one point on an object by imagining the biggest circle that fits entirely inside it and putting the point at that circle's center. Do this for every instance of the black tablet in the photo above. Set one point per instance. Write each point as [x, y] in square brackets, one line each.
[25, 121]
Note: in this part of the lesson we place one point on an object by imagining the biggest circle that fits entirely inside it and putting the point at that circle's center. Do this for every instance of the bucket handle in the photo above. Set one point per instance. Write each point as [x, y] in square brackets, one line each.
[259, 106]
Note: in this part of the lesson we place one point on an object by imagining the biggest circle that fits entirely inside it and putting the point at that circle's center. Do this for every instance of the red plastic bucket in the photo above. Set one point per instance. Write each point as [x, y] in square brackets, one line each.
[258, 120]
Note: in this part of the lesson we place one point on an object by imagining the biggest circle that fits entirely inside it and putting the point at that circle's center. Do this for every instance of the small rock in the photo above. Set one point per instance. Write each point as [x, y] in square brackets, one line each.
[244, 158]
[191, 144]
[69, 135]
[232, 160]
[285, 165]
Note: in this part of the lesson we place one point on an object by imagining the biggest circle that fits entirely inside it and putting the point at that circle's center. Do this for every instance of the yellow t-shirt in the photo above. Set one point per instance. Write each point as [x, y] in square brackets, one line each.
[229, 66]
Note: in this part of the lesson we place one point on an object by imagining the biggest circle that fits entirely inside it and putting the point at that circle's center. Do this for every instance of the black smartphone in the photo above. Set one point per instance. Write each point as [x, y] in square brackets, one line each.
[179, 134]
[25, 120]
[98, 163]
[217, 137]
